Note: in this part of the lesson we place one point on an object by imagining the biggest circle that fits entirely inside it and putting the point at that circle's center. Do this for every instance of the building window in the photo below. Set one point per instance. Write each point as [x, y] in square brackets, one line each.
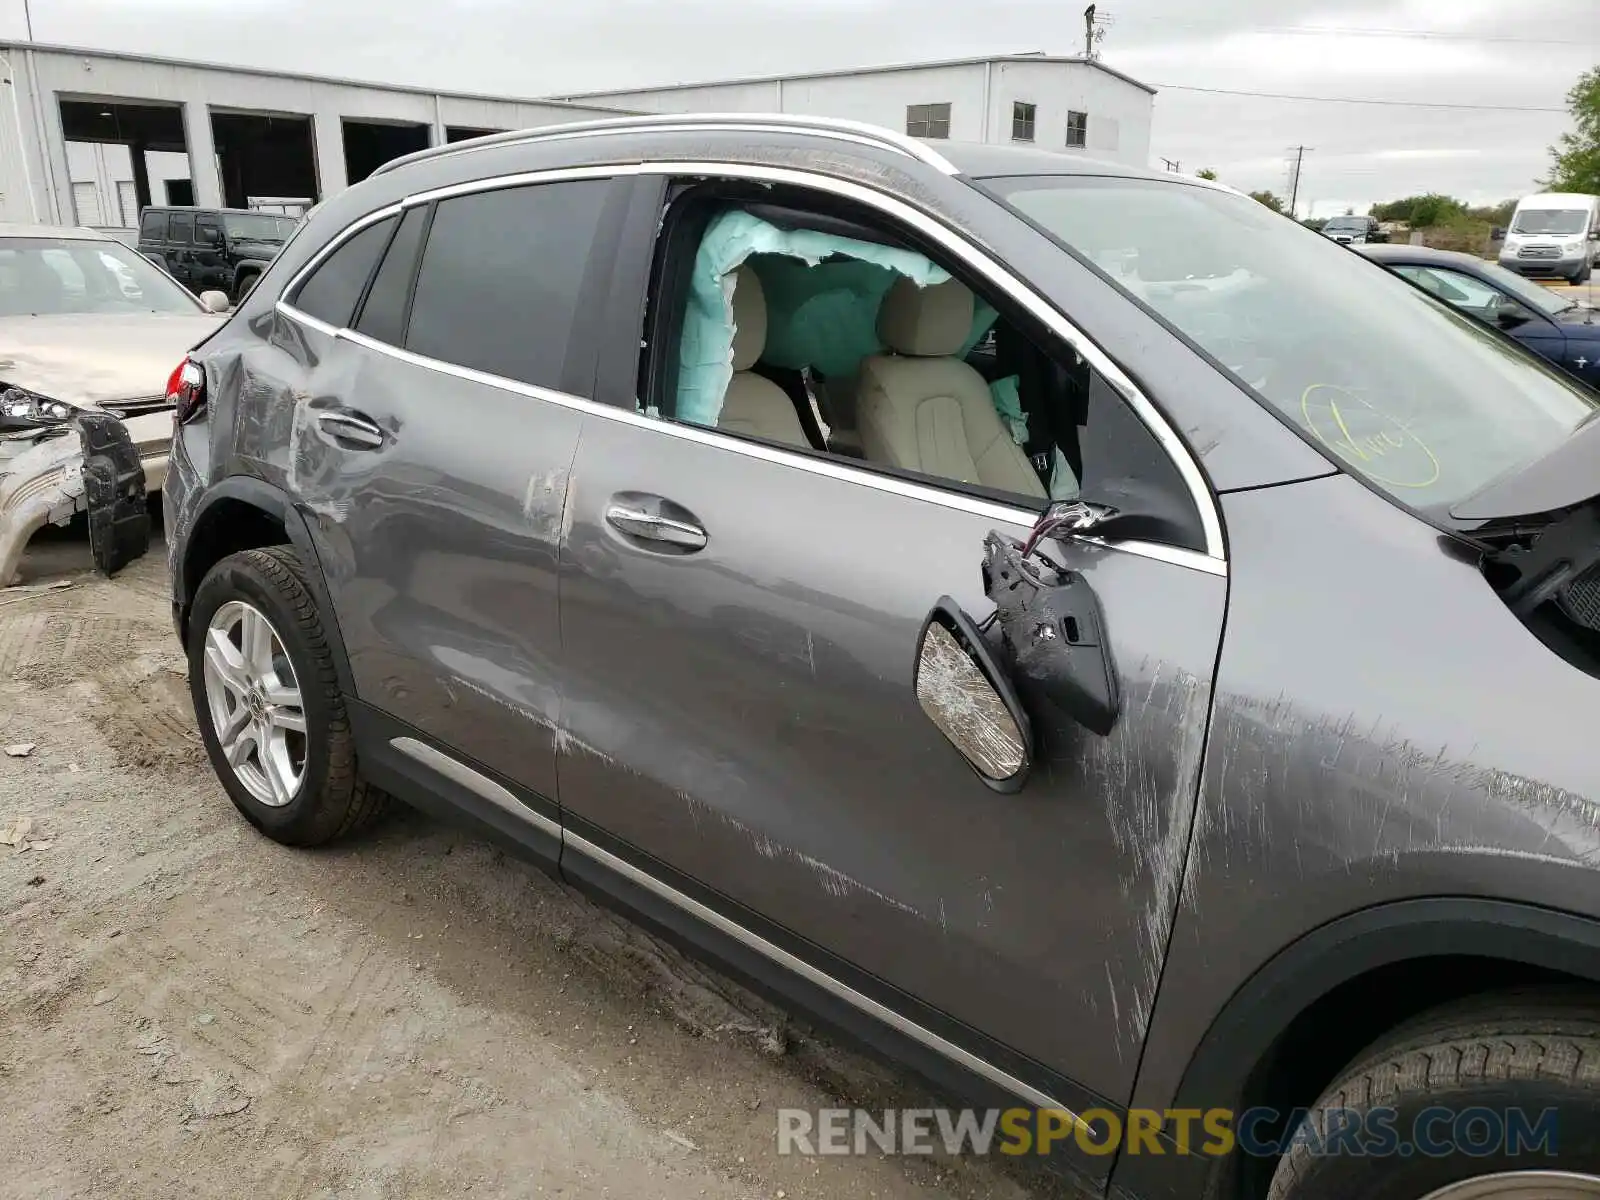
[1022, 115]
[928, 120]
[1077, 130]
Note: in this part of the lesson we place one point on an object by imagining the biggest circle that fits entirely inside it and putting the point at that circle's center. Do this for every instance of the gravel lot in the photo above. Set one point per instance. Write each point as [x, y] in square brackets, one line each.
[187, 1009]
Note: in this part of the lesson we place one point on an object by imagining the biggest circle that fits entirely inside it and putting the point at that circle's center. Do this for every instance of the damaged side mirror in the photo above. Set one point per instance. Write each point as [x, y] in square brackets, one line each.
[1052, 624]
[965, 692]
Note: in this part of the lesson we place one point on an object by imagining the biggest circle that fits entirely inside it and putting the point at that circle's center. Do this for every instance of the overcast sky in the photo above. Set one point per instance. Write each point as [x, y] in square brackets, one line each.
[1510, 55]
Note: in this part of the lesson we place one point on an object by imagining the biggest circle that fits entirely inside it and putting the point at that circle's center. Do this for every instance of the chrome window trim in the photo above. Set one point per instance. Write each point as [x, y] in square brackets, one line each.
[835, 128]
[1213, 561]
[475, 782]
[481, 785]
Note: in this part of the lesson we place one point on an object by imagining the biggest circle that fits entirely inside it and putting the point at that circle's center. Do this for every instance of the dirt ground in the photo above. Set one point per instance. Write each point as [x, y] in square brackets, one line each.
[187, 1009]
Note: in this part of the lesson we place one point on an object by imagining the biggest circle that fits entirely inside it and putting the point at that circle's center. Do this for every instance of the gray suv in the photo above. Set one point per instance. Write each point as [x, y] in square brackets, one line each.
[1069, 628]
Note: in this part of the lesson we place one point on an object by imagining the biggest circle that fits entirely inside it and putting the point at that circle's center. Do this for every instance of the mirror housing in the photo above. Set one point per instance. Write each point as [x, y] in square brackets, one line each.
[1511, 317]
[962, 689]
[216, 302]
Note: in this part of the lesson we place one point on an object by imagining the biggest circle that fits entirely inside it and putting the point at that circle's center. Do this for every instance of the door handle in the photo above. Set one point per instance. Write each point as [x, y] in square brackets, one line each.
[652, 527]
[352, 429]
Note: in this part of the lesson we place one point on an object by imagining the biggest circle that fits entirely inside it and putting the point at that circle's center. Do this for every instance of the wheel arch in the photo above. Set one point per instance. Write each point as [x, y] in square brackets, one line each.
[245, 513]
[1303, 1016]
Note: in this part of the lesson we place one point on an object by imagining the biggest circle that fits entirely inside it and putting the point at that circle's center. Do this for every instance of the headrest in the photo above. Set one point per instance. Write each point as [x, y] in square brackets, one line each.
[749, 319]
[926, 322]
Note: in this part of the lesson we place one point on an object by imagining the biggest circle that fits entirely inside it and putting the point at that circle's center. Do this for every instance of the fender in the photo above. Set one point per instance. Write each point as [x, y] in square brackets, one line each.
[1241, 1039]
[276, 503]
[248, 266]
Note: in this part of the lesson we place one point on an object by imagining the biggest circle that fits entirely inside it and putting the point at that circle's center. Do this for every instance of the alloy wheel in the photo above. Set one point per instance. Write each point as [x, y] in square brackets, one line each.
[255, 703]
[1522, 1185]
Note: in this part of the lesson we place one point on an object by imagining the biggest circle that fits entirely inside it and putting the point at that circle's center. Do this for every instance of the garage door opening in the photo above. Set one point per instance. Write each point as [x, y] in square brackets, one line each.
[121, 156]
[262, 155]
[465, 133]
[370, 144]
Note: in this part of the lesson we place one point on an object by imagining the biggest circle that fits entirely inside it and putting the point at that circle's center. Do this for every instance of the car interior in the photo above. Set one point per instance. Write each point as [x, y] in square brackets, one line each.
[818, 333]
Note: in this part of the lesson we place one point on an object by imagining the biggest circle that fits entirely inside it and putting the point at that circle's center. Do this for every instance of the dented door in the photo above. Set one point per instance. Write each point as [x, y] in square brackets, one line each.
[439, 545]
[743, 712]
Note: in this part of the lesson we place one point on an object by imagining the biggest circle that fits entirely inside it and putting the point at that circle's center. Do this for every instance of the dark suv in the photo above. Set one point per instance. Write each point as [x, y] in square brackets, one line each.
[1101, 643]
[213, 249]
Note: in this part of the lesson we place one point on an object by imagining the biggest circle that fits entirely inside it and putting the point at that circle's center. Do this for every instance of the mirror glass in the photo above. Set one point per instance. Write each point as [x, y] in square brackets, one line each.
[959, 699]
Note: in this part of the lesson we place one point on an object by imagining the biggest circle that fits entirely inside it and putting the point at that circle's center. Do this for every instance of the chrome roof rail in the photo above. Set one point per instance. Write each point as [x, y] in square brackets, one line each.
[856, 131]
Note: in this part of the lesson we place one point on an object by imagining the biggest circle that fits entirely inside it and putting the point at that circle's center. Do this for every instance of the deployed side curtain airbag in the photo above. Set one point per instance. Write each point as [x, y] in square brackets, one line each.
[828, 320]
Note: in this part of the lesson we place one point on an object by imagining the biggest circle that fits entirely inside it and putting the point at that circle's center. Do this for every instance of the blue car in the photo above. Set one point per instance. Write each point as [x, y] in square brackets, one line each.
[1561, 330]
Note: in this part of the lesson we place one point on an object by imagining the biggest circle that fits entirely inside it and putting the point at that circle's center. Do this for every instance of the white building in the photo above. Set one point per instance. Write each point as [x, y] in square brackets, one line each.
[1066, 104]
[89, 136]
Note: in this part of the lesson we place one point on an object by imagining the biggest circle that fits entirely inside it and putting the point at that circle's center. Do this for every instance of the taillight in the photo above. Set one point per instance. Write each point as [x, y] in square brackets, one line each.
[186, 390]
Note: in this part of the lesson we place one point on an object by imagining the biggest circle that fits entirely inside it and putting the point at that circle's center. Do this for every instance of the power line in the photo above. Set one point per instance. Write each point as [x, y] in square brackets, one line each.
[1179, 87]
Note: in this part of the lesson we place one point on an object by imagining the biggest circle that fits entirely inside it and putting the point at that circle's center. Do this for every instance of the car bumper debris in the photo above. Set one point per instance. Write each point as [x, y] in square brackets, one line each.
[88, 464]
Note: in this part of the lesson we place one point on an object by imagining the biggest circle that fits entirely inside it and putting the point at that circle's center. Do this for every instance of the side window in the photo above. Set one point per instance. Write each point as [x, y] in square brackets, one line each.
[152, 227]
[207, 232]
[180, 228]
[842, 341]
[501, 274]
[383, 315]
[331, 292]
[1452, 287]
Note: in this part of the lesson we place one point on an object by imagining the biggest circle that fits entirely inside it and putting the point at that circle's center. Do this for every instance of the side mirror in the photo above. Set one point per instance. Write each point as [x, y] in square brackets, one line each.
[965, 693]
[1512, 316]
[216, 302]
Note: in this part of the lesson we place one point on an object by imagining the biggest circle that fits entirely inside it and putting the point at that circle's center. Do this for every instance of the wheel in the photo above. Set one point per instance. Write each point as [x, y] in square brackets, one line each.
[1464, 1094]
[267, 699]
[1583, 274]
[241, 288]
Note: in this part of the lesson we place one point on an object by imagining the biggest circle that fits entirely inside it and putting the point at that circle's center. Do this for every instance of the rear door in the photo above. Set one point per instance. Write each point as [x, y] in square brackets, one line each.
[435, 449]
[180, 247]
[209, 270]
[741, 721]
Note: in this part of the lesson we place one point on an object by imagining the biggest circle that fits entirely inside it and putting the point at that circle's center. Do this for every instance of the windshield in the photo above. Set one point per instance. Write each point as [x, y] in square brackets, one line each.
[1424, 401]
[257, 227]
[1347, 223]
[49, 276]
[1558, 221]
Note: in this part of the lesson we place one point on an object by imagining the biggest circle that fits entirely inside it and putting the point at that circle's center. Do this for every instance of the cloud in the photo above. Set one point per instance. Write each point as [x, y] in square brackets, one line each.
[551, 47]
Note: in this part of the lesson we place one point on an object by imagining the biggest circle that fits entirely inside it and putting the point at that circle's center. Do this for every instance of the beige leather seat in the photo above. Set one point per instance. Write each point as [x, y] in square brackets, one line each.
[755, 406]
[925, 410]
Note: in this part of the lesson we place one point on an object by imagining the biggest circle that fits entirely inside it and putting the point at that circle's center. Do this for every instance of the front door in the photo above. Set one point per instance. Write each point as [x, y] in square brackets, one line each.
[741, 712]
[180, 247]
[435, 452]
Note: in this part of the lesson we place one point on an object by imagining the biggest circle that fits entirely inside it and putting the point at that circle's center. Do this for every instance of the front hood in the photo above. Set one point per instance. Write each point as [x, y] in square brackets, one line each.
[1568, 475]
[89, 359]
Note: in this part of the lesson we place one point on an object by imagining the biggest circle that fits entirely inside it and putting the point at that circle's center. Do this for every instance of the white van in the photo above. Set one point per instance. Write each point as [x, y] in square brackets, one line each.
[1554, 235]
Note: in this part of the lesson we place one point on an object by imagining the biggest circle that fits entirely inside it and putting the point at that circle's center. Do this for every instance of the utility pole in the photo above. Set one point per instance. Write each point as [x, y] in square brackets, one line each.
[27, 19]
[1095, 24]
[1300, 153]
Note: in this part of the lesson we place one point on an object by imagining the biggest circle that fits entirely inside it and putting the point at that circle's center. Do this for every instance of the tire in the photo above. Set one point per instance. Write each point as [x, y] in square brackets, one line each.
[328, 798]
[242, 286]
[1529, 1051]
[1582, 277]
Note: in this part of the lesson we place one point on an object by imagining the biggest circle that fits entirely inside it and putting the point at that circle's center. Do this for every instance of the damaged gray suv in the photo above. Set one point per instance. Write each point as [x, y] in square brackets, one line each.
[1065, 626]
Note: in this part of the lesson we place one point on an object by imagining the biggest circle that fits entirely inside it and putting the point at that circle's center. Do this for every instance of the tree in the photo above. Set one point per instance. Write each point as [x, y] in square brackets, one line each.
[1577, 154]
[1206, 173]
[1267, 198]
[1421, 212]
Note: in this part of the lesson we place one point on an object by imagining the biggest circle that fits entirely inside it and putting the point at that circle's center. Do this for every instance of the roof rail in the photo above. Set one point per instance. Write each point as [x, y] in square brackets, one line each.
[857, 131]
